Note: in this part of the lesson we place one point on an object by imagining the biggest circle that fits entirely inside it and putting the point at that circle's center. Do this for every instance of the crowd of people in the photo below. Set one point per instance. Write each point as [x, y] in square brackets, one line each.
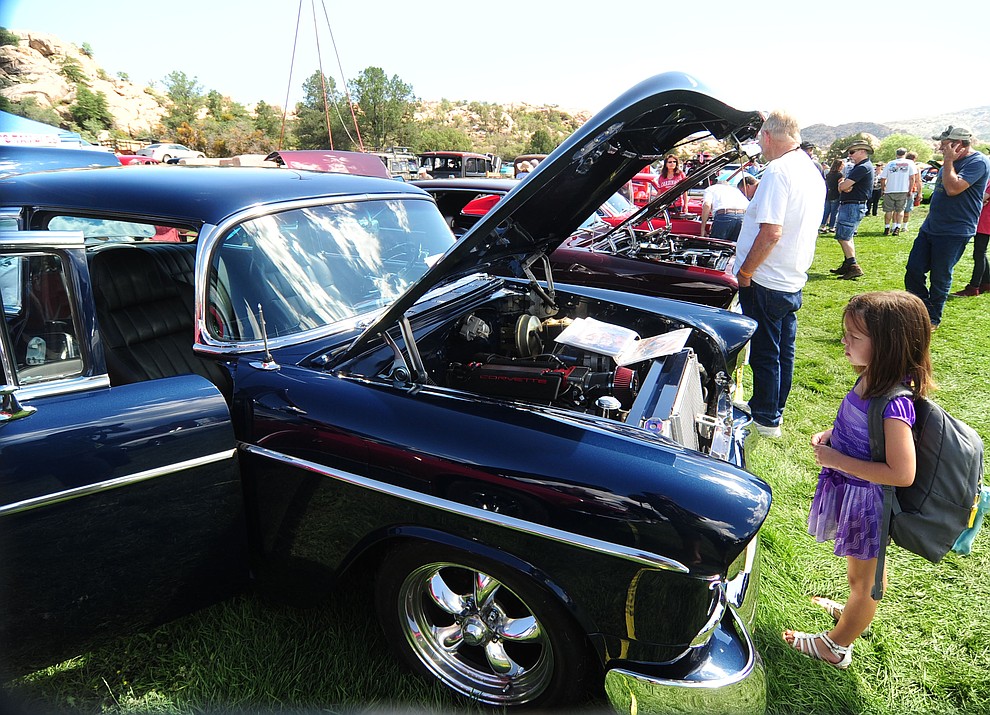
[886, 338]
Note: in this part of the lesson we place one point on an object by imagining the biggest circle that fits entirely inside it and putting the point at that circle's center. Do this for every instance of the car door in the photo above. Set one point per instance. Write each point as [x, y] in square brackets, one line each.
[120, 506]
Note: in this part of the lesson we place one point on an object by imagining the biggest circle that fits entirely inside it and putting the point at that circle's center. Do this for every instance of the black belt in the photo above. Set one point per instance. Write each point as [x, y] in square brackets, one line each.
[843, 203]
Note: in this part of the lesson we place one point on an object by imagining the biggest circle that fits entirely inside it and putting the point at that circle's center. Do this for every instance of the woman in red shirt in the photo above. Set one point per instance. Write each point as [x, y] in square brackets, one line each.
[670, 175]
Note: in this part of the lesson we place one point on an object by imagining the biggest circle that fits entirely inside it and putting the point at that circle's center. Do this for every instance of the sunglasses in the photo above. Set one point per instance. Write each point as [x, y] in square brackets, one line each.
[853, 151]
[671, 161]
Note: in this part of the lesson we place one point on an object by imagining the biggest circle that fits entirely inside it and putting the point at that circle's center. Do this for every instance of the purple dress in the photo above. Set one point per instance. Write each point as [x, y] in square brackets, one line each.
[847, 508]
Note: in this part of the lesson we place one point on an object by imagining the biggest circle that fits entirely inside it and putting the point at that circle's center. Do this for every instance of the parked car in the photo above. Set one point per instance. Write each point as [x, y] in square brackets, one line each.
[166, 152]
[128, 159]
[646, 188]
[464, 164]
[318, 378]
[643, 257]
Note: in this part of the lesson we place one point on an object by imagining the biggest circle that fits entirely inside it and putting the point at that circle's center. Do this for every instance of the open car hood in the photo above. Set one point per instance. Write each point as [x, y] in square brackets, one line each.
[642, 125]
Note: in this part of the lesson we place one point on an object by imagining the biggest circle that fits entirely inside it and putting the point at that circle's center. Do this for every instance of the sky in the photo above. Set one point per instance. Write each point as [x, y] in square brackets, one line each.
[828, 63]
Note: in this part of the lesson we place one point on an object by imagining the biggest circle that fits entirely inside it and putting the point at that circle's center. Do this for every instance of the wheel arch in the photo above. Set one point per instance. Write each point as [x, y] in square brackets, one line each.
[371, 552]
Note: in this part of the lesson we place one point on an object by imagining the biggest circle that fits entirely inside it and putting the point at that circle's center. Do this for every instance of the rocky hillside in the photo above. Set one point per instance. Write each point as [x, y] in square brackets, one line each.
[978, 119]
[40, 67]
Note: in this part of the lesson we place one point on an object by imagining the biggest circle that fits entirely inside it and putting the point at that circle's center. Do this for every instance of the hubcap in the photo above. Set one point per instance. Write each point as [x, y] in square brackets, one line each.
[475, 634]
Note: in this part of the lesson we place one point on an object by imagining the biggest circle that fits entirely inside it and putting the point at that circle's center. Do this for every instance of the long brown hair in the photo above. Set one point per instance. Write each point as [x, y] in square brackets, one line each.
[901, 332]
[677, 173]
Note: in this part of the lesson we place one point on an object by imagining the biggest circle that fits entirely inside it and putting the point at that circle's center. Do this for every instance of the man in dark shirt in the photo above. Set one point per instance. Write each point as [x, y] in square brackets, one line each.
[854, 193]
[952, 217]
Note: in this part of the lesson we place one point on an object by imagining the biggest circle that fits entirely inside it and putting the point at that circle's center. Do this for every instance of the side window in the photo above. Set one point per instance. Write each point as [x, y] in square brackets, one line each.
[37, 310]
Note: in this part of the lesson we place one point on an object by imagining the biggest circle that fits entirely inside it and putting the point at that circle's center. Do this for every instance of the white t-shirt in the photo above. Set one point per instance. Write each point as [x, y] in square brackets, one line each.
[790, 195]
[898, 174]
[724, 196]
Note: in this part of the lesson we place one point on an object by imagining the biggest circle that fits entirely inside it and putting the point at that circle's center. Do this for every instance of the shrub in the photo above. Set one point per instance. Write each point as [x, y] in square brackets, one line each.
[9, 38]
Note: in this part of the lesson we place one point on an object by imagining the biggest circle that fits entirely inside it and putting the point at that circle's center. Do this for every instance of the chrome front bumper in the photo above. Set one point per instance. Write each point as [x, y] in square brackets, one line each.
[730, 679]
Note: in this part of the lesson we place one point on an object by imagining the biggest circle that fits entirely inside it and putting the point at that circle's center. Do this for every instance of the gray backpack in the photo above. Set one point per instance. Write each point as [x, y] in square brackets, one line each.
[927, 517]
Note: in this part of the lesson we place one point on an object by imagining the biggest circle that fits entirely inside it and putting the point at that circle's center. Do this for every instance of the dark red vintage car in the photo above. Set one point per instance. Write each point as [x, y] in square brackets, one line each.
[629, 251]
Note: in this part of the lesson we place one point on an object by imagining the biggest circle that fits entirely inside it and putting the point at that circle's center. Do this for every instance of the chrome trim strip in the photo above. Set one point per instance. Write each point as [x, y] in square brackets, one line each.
[63, 386]
[19, 240]
[638, 556]
[57, 497]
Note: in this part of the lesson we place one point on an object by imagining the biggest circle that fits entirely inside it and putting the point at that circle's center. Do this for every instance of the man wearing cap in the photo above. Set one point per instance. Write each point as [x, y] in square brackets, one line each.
[952, 217]
[896, 181]
[775, 248]
[809, 149]
[854, 192]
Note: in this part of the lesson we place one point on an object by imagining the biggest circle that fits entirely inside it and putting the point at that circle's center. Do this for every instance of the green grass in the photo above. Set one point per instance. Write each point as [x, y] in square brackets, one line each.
[928, 650]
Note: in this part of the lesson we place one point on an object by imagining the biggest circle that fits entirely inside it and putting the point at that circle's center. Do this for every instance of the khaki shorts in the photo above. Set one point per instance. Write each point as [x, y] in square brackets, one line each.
[896, 202]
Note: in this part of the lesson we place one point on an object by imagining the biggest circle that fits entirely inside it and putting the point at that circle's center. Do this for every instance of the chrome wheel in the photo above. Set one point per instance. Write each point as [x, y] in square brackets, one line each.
[485, 631]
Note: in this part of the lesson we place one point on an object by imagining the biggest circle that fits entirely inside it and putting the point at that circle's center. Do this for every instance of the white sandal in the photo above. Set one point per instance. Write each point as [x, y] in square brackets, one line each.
[807, 644]
[832, 608]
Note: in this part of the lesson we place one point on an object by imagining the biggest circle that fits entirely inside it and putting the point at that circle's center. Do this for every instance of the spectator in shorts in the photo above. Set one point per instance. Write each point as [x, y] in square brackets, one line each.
[897, 179]
[854, 192]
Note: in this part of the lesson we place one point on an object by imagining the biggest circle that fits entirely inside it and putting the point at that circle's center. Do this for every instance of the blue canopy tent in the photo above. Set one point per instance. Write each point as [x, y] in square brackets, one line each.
[21, 130]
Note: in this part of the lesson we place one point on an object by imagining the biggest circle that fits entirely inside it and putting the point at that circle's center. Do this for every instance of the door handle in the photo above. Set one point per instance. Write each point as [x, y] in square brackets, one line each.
[10, 408]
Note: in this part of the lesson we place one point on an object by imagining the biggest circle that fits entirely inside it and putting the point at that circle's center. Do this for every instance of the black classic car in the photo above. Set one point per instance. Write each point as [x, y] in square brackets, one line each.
[216, 376]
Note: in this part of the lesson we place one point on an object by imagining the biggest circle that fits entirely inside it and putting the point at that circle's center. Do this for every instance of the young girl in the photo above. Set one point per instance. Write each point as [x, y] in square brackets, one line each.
[887, 336]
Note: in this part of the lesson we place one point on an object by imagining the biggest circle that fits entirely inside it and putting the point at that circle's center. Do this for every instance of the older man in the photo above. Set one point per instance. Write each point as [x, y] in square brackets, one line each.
[854, 193]
[775, 248]
[952, 216]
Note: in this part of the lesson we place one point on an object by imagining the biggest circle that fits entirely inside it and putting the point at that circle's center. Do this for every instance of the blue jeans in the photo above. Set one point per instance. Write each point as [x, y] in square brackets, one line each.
[726, 226]
[847, 220]
[831, 212]
[937, 255]
[772, 349]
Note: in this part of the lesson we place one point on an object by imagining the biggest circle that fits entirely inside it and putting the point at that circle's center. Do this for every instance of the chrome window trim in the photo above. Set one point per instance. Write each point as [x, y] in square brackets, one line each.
[20, 240]
[34, 241]
[116, 483]
[64, 386]
[639, 556]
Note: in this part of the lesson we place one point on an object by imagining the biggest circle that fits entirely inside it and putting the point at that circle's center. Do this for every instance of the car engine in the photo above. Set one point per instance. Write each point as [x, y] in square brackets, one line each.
[662, 245]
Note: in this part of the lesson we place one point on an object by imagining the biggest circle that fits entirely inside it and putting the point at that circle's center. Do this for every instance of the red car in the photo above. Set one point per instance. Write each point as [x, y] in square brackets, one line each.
[127, 159]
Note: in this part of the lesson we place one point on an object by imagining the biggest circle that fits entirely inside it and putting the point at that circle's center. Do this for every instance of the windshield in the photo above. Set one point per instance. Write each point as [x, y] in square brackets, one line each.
[309, 268]
[619, 204]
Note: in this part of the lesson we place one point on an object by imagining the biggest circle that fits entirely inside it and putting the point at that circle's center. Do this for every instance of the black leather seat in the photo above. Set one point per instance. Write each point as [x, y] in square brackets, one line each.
[145, 320]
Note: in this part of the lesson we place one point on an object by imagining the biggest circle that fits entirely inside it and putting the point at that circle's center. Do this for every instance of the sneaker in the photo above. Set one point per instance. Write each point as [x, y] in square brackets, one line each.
[897, 231]
[886, 231]
[854, 271]
[771, 431]
[841, 270]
